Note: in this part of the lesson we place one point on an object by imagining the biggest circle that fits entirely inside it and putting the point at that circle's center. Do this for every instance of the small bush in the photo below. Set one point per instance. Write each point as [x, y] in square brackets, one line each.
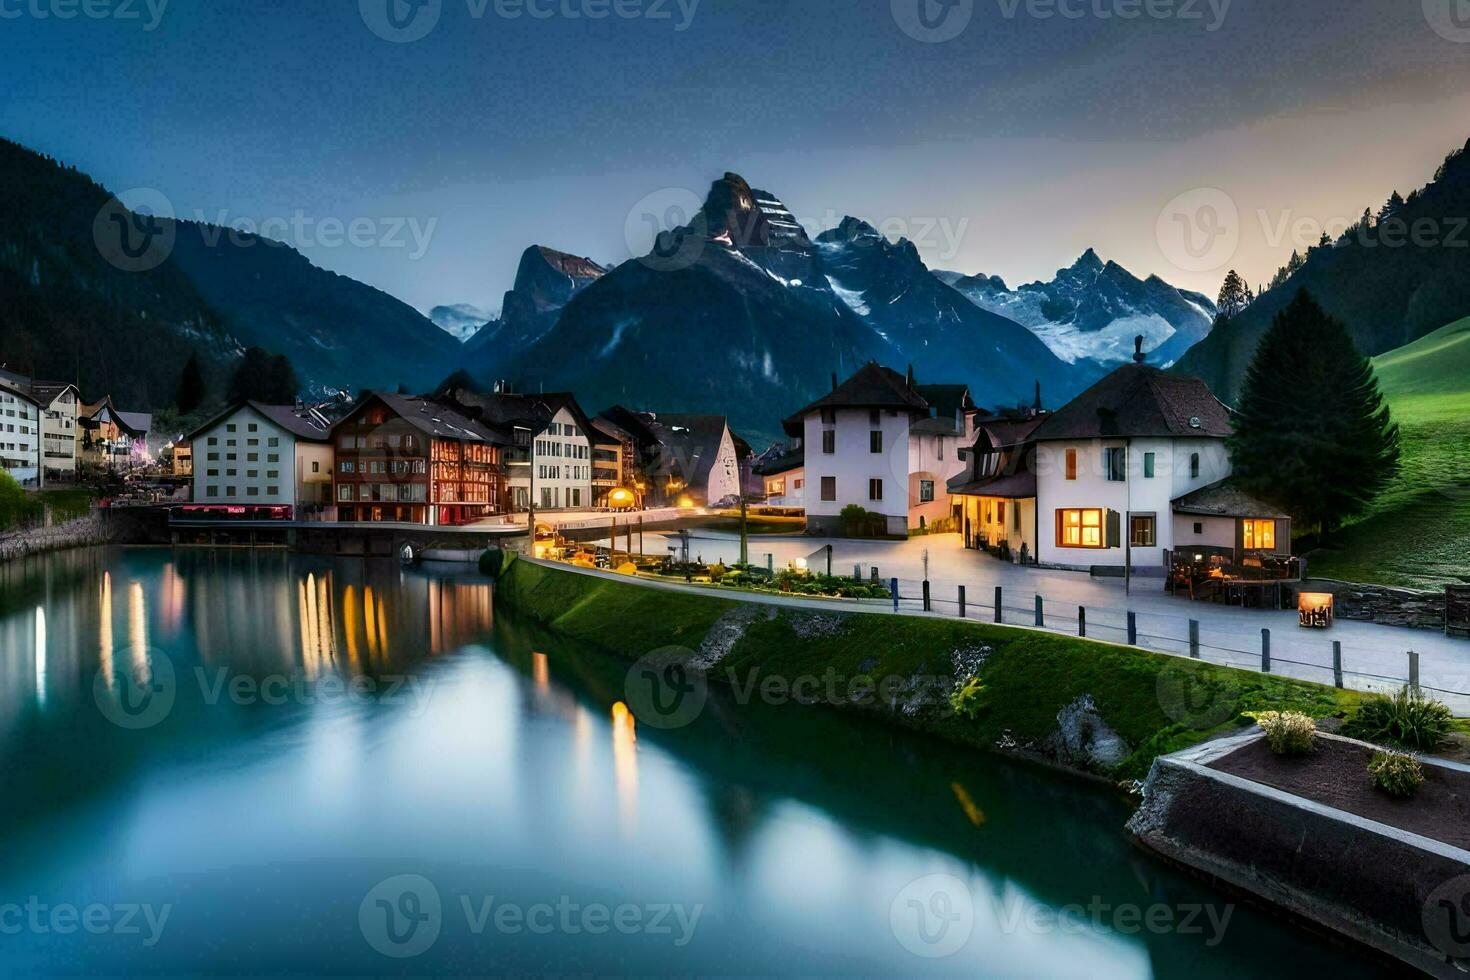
[1408, 719]
[1287, 732]
[1396, 773]
[965, 699]
[716, 573]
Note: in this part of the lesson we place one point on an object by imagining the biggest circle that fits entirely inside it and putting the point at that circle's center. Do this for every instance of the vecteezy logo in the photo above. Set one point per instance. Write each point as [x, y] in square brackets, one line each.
[135, 231]
[1446, 918]
[401, 21]
[668, 229]
[933, 21]
[933, 916]
[1199, 230]
[1189, 700]
[140, 699]
[663, 691]
[401, 916]
[1449, 18]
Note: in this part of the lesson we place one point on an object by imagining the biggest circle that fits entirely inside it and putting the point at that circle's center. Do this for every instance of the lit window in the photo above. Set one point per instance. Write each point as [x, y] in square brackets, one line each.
[1260, 535]
[1080, 528]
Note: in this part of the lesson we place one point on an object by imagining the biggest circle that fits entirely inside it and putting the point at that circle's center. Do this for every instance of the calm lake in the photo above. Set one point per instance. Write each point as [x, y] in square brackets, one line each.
[260, 763]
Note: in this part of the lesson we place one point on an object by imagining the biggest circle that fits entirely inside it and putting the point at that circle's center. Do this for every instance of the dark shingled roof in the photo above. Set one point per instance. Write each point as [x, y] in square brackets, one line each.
[296, 421]
[873, 386]
[438, 419]
[1224, 499]
[692, 444]
[505, 410]
[946, 400]
[1138, 401]
[47, 392]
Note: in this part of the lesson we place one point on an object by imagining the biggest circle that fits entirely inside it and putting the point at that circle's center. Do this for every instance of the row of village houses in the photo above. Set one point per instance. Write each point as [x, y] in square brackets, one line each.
[48, 434]
[1131, 469]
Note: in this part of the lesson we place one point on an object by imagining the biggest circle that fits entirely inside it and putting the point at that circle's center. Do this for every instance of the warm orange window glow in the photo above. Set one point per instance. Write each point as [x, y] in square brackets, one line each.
[1071, 464]
[1080, 528]
[1260, 535]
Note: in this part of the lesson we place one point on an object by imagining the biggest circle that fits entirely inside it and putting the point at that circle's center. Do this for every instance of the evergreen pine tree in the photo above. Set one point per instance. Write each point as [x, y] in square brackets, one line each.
[190, 393]
[1233, 296]
[1313, 433]
[264, 377]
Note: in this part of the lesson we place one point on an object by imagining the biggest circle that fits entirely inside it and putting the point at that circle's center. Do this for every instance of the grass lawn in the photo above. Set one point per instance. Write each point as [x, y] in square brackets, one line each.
[1158, 703]
[1418, 532]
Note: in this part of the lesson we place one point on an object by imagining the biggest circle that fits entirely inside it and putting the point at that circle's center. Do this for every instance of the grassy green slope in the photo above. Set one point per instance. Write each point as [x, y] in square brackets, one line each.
[1418, 532]
[1158, 703]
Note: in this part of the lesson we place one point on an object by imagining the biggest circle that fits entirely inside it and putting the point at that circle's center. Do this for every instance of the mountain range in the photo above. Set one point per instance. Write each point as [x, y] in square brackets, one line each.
[1093, 310]
[740, 313]
[1397, 276]
[460, 320]
[116, 300]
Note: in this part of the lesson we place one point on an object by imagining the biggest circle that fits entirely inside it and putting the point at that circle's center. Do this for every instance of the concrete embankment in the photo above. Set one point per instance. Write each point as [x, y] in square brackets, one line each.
[1366, 880]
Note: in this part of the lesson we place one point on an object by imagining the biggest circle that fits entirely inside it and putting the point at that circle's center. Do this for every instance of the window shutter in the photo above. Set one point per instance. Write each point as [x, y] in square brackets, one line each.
[1115, 529]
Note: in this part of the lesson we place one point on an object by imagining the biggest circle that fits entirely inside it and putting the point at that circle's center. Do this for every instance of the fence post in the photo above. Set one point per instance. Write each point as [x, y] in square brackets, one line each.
[1337, 664]
[770, 563]
[1265, 651]
[893, 587]
[1413, 670]
[998, 599]
[1133, 629]
[962, 602]
[1040, 615]
[1194, 639]
[928, 605]
[1082, 621]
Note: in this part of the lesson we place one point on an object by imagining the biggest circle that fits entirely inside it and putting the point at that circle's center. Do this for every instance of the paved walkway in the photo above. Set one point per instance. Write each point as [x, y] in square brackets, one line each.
[1374, 657]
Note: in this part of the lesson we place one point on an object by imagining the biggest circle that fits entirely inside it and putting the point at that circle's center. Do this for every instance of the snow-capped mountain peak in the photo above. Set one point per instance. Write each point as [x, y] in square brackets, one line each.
[460, 320]
[1093, 309]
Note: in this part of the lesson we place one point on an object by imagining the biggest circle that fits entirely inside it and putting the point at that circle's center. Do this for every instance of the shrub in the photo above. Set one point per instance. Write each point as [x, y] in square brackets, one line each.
[1408, 719]
[1287, 732]
[716, 573]
[854, 520]
[1396, 773]
[16, 506]
[965, 699]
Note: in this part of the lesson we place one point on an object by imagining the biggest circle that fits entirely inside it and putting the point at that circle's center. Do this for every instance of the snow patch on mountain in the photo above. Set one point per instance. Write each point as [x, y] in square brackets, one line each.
[852, 298]
[460, 320]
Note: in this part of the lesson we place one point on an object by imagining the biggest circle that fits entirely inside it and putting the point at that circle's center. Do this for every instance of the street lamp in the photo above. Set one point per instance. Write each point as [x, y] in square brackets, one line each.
[619, 497]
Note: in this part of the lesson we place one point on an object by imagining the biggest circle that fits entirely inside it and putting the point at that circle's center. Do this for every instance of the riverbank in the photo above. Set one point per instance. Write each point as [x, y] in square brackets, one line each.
[85, 532]
[1091, 706]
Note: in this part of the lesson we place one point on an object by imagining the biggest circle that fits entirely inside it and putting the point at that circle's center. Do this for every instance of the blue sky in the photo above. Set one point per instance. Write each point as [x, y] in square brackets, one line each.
[1042, 127]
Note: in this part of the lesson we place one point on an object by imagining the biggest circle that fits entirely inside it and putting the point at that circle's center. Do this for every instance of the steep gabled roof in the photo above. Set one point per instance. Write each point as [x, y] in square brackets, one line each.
[691, 444]
[946, 401]
[793, 459]
[287, 417]
[873, 386]
[1139, 401]
[47, 392]
[436, 419]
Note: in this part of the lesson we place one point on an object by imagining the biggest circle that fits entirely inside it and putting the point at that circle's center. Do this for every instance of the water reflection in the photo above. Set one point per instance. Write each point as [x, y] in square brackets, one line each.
[520, 773]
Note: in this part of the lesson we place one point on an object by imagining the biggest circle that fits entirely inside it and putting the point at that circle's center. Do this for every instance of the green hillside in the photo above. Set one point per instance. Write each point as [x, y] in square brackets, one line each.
[1418, 533]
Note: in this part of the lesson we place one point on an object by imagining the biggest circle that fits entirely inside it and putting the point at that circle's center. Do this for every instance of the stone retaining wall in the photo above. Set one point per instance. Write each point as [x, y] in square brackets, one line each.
[1368, 881]
[81, 533]
[1382, 604]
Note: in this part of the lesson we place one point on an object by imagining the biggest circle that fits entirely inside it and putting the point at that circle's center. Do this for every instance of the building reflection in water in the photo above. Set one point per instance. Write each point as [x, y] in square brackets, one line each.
[104, 631]
[138, 633]
[41, 656]
[625, 765]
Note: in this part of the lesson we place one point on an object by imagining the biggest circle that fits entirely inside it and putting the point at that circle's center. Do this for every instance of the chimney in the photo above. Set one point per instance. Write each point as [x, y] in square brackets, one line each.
[1138, 355]
[834, 380]
[911, 377]
[1036, 406]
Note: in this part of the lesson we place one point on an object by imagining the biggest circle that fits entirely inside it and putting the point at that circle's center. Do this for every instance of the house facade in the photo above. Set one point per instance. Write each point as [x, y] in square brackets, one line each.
[875, 442]
[59, 402]
[20, 435]
[1112, 480]
[782, 472]
[111, 439]
[548, 460]
[266, 455]
[416, 461]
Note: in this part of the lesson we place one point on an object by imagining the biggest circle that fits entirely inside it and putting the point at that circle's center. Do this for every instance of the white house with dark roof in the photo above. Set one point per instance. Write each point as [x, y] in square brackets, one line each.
[875, 442]
[20, 434]
[1136, 467]
[264, 455]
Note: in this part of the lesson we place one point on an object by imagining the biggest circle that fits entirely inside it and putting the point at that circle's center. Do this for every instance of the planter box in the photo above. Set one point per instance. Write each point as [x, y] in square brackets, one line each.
[1396, 891]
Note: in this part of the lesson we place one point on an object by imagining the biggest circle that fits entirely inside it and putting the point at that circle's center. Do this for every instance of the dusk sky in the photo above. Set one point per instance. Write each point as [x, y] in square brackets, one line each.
[1008, 148]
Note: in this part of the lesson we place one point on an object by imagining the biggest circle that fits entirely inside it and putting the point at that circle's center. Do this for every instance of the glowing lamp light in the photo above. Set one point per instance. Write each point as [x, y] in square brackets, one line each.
[1316, 610]
[621, 497]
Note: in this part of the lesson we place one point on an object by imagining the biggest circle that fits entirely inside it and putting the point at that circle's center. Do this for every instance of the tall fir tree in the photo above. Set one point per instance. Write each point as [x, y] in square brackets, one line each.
[190, 393]
[1313, 433]
[1233, 295]
[264, 377]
